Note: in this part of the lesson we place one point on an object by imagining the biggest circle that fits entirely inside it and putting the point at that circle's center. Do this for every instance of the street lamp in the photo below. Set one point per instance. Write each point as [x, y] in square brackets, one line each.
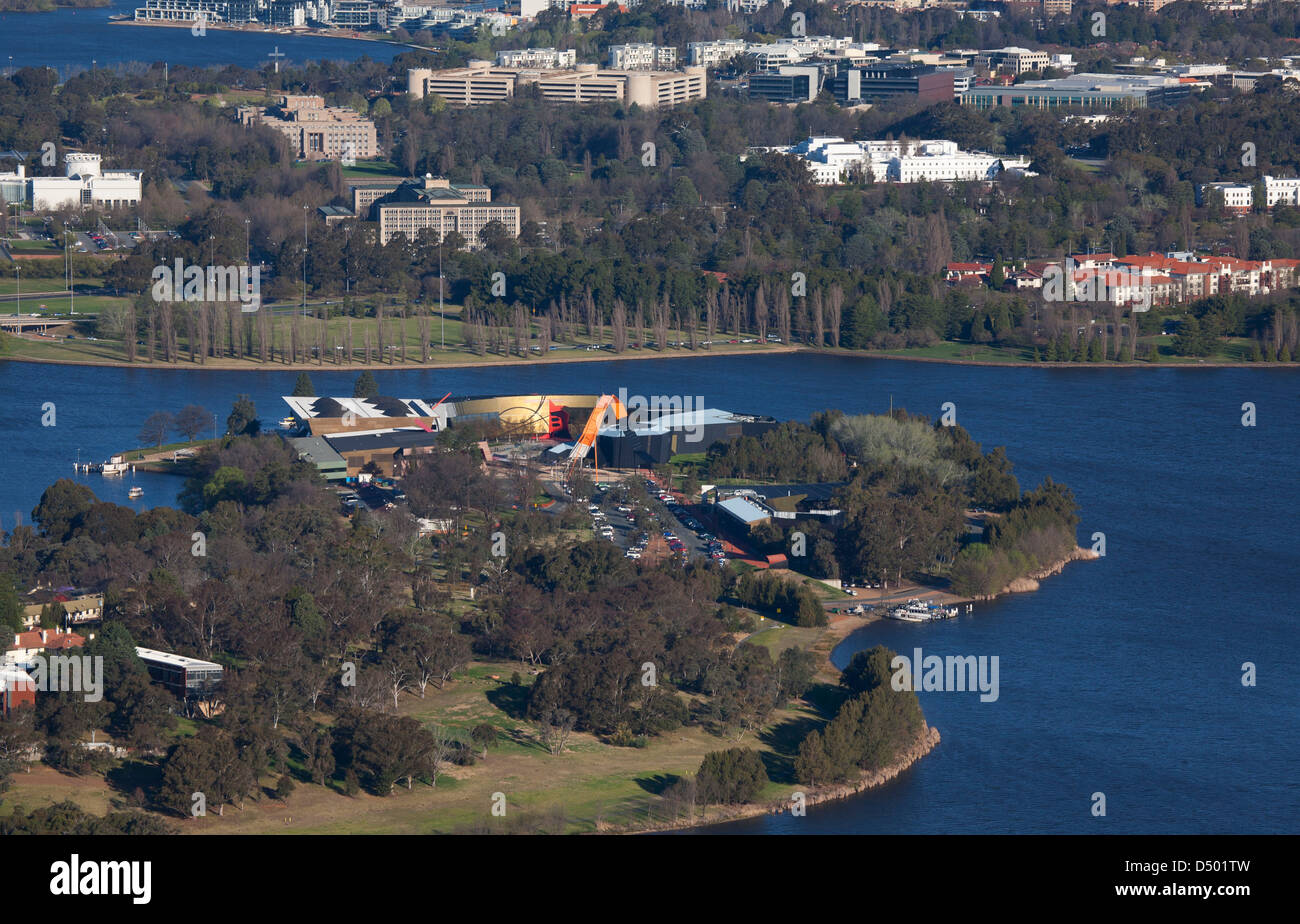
[18, 271]
[442, 315]
[304, 261]
[248, 242]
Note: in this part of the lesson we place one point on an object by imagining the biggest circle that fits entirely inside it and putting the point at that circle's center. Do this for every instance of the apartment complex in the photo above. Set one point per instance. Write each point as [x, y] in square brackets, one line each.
[537, 57]
[712, 54]
[642, 56]
[436, 205]
[1138, 282]
[481, 84]
[316, 131]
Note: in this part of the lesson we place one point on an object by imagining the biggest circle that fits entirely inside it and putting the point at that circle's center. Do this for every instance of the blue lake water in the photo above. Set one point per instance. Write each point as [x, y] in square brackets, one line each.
[70, 40]
[1119, 676]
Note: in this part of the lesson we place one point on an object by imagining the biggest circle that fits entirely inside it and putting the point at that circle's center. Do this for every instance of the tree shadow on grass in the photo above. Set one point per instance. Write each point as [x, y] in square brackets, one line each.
[523, 738]
[510, 699]
[784, 741]
[658, 783]
[131, 775]
[826, 698]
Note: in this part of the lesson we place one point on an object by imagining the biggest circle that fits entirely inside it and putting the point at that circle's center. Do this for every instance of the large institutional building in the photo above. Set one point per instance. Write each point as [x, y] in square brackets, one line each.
[83, 185]
[482, 83]
[316, 131]
[435, 204]
[834, 160]
[1094, 91]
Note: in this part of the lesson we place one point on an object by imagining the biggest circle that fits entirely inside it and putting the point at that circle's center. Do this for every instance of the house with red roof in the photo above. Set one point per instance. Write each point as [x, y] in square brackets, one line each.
[960, 272]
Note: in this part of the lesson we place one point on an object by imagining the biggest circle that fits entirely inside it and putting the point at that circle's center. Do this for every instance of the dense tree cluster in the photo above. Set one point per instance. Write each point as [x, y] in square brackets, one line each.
[869, 730]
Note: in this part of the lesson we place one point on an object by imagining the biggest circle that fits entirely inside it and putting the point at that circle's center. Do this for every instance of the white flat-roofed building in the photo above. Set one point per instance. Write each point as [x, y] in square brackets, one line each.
[1281, 191]
[184, 676]
[642, 56]
[210, 11]
[85, 185]
[711, 54]
[747, 512]
[1239, 197]
[537, 57]
[833, 160]
[1015, 60]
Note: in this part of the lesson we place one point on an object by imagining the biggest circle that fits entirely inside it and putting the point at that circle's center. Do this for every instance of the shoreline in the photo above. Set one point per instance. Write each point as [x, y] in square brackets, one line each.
[235, 366]
[283, 31]
[601, 356]
[926, 741]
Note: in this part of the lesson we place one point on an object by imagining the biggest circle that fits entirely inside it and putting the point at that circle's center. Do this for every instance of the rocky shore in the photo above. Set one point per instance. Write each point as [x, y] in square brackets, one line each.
[926, 742]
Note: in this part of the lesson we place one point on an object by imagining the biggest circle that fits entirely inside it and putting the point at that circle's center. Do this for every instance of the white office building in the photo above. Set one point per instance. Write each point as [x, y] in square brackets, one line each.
[833, 160]
[85, 185]
[1281, 191]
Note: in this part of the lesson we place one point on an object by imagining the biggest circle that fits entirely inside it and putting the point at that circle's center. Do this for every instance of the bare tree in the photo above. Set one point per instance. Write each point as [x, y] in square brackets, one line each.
[555, 728]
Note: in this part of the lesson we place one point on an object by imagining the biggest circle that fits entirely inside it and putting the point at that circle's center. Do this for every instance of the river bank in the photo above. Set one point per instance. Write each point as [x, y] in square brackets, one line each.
[230, 365]
[594, 356]
[925, 742]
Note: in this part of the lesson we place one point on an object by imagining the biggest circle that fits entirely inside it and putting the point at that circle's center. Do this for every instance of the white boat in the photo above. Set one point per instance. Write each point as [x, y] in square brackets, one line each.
[117, 465]
[135, 492]
[916, 610]
[288, 423]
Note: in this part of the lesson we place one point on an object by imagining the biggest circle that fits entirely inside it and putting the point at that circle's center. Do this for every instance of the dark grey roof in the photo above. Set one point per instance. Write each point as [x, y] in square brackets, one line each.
[387, 439]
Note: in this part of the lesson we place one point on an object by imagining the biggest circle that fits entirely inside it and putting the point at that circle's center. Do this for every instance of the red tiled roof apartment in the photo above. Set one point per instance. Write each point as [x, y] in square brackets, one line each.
[435, 204]
[481, 83]
[316, 131]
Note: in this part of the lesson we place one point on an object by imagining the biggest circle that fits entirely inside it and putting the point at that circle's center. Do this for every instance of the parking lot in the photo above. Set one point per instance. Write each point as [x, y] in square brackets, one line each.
[645, 524]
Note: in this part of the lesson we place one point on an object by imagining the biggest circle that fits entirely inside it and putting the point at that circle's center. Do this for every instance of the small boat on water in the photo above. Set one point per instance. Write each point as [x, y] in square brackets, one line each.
[916, 610]
[117, 465]
[135, 492]
[288, 423]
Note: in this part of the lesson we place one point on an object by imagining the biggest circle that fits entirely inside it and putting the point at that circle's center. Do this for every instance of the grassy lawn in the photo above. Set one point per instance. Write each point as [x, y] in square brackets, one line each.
[135, 455]
[373, 168]
[362, 169]
[396, 332]
[34, 247]
[9, 283]
[590, 786]
[964, 351]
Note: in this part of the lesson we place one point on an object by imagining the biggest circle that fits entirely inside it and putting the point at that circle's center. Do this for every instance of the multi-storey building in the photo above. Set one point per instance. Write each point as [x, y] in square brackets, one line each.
[1237, 197]
[316, 131]
[834, 160]
[642, 56]
[1013, 60]
[85, 185]
[537, 57]
[481, 83]
[888, 79]
[711, 54]
[1089, 91]
[436, 205]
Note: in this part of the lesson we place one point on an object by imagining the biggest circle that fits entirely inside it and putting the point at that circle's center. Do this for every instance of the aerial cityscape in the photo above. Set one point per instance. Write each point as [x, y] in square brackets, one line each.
[681, 416]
